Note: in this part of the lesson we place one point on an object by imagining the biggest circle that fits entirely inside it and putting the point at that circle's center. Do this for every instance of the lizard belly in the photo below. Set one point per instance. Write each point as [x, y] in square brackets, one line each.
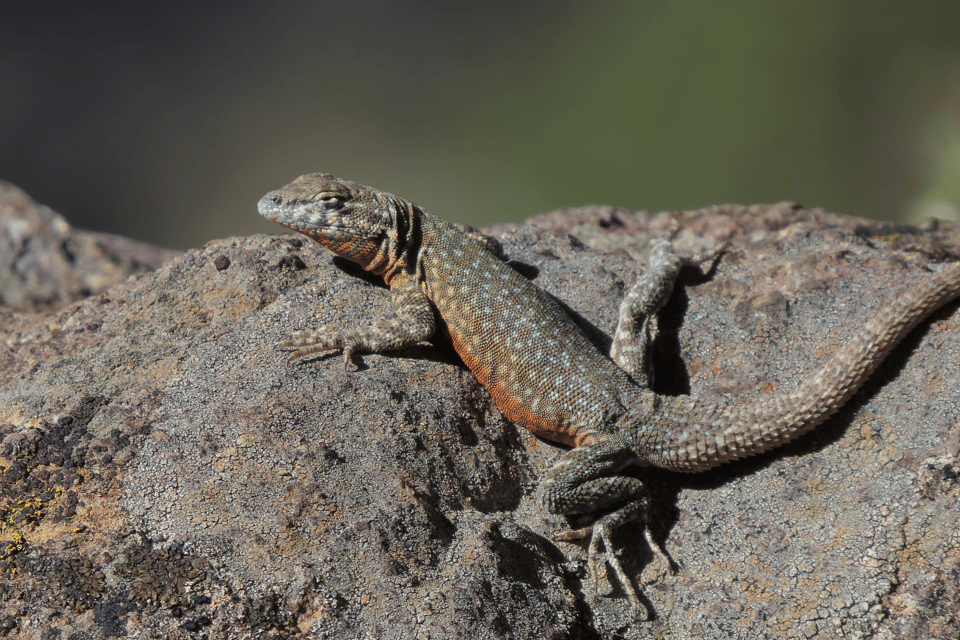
[541, 370]
[546, 377]
[519, 403]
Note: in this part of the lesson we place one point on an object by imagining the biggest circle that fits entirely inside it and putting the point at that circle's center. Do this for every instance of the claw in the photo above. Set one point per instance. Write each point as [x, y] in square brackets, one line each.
[660, 566]
[306, 343]
[600, 532]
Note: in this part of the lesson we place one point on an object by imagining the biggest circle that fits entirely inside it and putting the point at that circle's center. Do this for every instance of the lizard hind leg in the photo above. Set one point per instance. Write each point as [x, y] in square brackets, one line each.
[585, 480]
[637, 324]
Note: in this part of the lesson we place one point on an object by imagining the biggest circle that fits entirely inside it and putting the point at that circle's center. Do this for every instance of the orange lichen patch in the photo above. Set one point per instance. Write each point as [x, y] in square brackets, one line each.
[22, 516]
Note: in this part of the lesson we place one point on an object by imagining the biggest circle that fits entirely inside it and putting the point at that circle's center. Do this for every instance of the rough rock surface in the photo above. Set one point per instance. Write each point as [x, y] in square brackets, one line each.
[164, 473]
[45, 263]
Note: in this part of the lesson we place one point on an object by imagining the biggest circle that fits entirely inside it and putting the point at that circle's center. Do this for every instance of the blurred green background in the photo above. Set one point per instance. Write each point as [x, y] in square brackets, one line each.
[167, 122]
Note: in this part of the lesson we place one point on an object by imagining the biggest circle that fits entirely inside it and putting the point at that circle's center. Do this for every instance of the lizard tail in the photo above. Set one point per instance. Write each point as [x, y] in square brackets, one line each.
[706, 434]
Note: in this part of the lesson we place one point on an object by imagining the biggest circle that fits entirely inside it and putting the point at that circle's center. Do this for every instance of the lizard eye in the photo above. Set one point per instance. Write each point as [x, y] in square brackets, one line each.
[331, 200]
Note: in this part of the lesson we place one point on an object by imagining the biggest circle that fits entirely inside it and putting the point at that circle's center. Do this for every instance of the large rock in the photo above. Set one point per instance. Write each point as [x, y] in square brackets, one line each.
[166, 474]
[45, 263]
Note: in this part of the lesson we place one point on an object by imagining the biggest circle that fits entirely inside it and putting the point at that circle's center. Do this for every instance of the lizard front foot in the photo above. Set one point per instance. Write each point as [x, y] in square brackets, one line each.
[319, 340]
[413, 323]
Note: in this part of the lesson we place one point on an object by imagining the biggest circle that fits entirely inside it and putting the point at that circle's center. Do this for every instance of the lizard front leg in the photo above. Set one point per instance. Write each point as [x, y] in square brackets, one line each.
[415, 322]
[586, 480]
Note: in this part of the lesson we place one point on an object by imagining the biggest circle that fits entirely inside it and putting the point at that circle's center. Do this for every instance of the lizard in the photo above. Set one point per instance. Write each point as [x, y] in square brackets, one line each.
[543, 372]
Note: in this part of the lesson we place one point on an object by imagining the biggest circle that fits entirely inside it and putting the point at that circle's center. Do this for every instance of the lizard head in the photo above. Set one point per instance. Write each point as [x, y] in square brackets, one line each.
[352, 220]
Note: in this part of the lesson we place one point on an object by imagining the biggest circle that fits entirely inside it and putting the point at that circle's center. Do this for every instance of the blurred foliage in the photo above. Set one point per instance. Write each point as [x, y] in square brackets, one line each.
[168, 123]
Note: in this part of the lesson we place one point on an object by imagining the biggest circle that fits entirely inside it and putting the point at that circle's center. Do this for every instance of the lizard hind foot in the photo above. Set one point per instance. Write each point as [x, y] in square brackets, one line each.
[660, 566]
[598, 561]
